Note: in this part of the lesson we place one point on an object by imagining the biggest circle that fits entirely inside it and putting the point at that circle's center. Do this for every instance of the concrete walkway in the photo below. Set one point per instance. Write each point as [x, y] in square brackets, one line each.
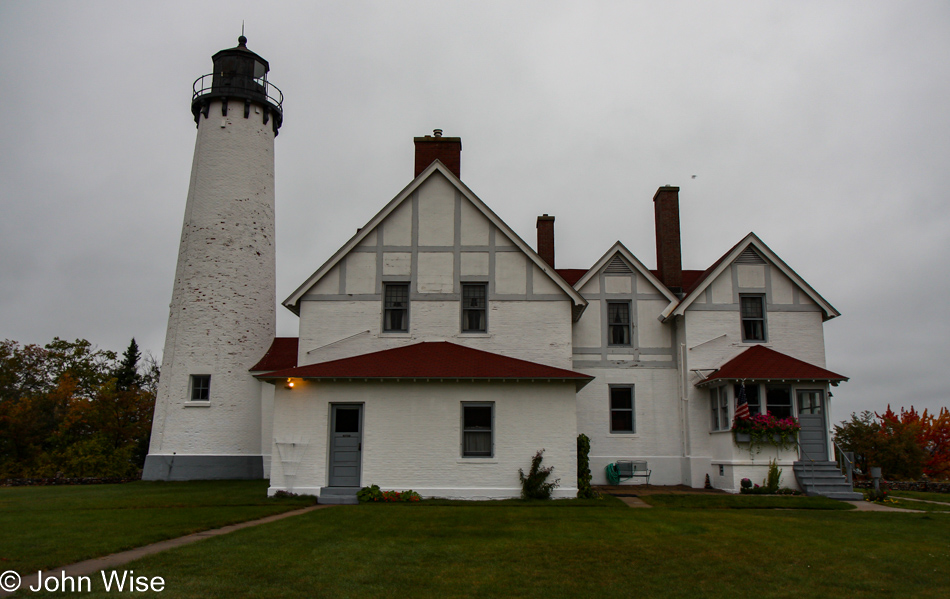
[633, 501]
[110, 562]
[870, 506]
[945, 503]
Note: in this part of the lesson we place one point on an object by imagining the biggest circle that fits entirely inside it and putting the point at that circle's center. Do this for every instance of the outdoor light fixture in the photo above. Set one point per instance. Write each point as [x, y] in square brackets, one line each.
[290, 384]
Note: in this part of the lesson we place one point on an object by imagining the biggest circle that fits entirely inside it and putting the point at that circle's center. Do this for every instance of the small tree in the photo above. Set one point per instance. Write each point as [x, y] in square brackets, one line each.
[533, 486]
[584, 490]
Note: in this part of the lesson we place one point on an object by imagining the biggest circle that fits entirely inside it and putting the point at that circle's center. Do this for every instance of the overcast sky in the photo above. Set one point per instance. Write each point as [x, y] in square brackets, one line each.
[822, 127]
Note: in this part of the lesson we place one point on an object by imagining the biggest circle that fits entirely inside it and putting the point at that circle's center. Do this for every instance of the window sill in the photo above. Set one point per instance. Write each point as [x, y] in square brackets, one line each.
[476, 461]
[624, 435]
[197, 404]
[402, 334]
[475, 334]
[728, 430]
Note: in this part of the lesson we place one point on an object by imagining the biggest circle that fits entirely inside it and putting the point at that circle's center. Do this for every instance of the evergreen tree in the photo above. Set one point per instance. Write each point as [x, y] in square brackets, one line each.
[127, 375]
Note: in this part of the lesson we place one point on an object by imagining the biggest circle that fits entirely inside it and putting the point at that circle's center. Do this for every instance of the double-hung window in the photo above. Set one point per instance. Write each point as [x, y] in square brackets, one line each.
[751, 395]
[719, 401]
[474, 308]
[622, 418]
[778, 400]
[396, 307]
[752, 308]
[618, 323]
[477, 429]
[200, 387]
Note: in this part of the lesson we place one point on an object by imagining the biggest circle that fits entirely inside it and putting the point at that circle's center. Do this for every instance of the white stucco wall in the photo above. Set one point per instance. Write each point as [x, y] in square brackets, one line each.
[658, 438]
[412, 436]
[223, 309]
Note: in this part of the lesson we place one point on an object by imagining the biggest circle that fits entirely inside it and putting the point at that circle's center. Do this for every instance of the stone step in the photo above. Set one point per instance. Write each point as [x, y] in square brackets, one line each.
[824, 479]
[338, 500]
[339, 491]
[338, 496]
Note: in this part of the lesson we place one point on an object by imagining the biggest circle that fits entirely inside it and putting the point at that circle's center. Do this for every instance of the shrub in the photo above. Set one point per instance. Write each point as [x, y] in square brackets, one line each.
[375, 494]
[584, 490]
[773, 478]
[367, 494]
[533, 486]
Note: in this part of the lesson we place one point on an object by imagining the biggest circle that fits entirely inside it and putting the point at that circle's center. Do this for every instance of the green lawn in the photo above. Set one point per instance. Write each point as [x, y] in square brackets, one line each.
[941, 497]
[425, 550]
[44, 527]
[786, 502]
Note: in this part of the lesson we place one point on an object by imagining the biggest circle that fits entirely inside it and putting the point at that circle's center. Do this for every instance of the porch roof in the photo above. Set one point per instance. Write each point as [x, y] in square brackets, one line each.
[759, 363]
[432, 360]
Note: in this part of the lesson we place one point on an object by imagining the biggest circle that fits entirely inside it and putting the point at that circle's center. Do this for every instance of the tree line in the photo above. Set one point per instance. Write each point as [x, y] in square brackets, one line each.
[905, 445]
[68, 409]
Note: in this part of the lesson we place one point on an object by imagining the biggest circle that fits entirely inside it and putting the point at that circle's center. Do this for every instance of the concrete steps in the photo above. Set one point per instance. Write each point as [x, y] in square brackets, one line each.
[338, 496]
[824, 478]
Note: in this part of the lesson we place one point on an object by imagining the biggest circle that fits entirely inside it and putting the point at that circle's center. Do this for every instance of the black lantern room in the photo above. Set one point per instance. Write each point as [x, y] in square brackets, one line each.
[239, 76]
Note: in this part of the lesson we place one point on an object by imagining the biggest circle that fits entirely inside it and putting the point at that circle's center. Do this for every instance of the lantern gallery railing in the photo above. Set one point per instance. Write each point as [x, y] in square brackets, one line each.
[238, 85]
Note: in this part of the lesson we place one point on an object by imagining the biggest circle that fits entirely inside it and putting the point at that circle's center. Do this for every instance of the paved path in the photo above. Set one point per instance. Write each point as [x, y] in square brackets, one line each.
[922, 500]
[633, 501]
[869, 506]
[91, 566]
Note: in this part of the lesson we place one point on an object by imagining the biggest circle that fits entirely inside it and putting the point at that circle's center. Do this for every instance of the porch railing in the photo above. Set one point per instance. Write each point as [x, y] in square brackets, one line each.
[845, 461]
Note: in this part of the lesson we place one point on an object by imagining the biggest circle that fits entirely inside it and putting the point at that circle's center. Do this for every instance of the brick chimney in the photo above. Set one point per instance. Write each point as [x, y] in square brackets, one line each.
[669, 263]
[546, 239]
[435, 147]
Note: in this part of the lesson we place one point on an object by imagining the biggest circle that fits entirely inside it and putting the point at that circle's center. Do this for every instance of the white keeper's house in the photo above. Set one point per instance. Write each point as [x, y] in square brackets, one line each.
[438, 351]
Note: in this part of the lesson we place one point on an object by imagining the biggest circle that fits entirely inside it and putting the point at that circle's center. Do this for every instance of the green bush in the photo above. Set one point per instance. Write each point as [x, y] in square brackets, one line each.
[533, 486]
[584, 490]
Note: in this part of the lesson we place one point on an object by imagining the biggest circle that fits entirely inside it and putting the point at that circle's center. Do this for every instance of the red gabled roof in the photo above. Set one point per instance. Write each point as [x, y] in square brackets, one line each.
[759, 363]
[689, 277]
[571, 275]
[281, 354]
[431, 360]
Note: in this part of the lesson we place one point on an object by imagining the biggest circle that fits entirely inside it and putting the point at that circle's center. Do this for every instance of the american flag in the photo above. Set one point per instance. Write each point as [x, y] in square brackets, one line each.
[742, 405]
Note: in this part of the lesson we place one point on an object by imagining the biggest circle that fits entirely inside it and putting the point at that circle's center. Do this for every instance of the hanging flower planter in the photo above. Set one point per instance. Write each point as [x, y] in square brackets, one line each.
[764, 429]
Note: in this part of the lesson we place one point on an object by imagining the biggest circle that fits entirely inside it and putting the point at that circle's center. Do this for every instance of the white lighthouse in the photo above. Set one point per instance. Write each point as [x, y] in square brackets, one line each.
[208, 413]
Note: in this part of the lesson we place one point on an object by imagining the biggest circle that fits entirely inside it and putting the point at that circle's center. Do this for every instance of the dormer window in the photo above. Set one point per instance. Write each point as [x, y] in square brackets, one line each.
[752, 309]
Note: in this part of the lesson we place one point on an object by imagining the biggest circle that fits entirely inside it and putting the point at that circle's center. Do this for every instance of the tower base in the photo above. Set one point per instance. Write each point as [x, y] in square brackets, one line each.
[203, 467]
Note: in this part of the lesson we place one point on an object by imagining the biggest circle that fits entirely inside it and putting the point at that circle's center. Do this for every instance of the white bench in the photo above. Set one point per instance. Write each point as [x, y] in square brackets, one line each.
[628, 469]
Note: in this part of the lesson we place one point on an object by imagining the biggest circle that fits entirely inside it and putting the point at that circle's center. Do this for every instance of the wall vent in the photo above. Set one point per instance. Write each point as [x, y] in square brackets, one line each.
[617, 267]
[750, 256]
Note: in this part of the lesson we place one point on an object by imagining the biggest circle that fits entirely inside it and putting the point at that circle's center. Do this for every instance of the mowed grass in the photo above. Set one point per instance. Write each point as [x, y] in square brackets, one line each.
[786, 502]
[424, 550]
[43, 527]
[941, 497]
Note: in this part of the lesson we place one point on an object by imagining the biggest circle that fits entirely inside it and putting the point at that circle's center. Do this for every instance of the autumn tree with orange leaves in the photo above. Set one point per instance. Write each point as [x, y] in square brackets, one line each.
[905, 445]
[69, 409]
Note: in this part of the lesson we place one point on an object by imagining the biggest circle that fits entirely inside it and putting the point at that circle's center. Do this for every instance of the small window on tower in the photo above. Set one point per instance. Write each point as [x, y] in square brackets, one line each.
[200, 387]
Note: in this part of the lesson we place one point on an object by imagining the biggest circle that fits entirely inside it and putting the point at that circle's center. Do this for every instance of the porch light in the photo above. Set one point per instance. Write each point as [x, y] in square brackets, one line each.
[290, 384]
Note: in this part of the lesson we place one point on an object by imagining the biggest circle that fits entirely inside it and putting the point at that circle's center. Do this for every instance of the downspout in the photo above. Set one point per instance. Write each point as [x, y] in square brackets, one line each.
[684, 400]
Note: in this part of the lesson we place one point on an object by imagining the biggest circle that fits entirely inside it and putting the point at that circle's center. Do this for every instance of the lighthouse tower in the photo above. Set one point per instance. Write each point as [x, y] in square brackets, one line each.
[208, 412]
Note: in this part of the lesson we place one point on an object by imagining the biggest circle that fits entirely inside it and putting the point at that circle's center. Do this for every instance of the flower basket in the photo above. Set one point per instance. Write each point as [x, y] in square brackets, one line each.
[765, 429]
